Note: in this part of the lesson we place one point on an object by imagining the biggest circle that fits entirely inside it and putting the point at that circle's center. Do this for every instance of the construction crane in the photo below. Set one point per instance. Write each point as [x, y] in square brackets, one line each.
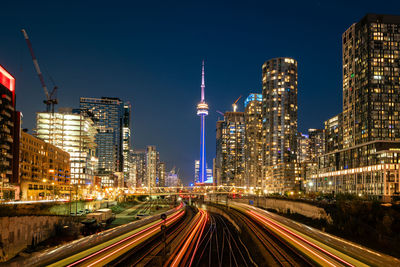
[221, 113]
[51, 99]
[234, 105]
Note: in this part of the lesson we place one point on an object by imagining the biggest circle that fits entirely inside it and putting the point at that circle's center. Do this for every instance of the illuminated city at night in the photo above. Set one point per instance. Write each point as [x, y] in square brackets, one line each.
[212, 133]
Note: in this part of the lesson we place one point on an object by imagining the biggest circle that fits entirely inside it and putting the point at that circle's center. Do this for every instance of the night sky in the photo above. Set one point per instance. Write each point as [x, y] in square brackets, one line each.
[150, 52]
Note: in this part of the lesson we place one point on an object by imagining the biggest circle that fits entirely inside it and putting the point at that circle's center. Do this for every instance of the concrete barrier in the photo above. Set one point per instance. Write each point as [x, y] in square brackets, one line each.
[17, 233]
[288, 206]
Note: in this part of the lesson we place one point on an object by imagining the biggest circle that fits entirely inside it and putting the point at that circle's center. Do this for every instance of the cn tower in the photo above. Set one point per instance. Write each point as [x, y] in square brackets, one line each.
[202, 111]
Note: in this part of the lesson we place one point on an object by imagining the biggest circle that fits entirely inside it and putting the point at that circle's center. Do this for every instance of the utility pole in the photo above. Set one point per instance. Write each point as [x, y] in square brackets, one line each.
[70, 199]
[76, 201]
[164, 232]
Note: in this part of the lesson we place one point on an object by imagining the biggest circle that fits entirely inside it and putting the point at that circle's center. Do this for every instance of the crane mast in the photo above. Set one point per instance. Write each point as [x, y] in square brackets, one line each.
[234, 105]
[50, 98]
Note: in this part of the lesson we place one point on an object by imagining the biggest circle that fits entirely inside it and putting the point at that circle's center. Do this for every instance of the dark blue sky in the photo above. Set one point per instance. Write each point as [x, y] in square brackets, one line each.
[150, 52]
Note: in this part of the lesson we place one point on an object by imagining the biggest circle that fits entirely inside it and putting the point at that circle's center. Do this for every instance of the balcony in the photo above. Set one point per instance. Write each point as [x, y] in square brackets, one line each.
[5, 146]
[5, 113]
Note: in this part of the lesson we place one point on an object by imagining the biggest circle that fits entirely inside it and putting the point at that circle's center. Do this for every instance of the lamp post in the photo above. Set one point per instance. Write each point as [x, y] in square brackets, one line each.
[54, 191]
[45, 187]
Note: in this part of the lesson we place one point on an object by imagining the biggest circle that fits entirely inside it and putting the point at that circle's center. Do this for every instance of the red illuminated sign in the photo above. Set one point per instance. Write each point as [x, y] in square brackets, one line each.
[7, 80]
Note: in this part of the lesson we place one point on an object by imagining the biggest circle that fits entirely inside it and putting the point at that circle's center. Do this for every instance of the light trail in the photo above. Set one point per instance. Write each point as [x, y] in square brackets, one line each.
[285, 231]
[199, 238]
[297, 242]
[265, 219]
[195, 232]
[344, 252]
[149, 231]
[117, 247]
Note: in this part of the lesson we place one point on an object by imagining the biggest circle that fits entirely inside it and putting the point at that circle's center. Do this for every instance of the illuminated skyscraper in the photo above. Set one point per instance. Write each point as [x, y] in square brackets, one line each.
[371, 80]
[196, 170]
[73, 131]
[161, 174]
[209, 176]
[310, 146]
[253, 144]
[172, 178]
[202, 111]
[303, 148]
[112, 120]
[126, 141]
[151, 167]
[279, 80]
[230, 149]
[138, 158]
[9, 135]
[363, 142]
[333, 133]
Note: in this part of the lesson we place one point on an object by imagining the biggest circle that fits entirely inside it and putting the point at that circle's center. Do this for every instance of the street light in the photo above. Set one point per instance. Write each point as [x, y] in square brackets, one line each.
[54, 191]
[45, 189]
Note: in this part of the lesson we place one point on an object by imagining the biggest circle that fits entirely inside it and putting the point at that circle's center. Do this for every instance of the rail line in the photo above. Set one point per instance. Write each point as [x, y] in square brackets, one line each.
[108, 251]
[315, 251]
[183, 254]
[281, 253]
[224, 247]
[148, 254]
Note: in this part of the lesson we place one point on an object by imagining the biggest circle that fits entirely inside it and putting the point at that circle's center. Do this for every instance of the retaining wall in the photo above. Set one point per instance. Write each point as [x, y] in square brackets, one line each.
[287, 206]
[17, 233]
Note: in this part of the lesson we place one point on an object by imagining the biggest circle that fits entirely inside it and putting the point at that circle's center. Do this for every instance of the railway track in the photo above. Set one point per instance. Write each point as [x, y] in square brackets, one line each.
[153, 252]
[222, 246]
[112, 250]
[188, 243]
[278, 252]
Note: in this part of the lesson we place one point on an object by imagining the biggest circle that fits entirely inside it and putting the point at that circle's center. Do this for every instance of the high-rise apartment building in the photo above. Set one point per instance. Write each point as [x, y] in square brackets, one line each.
[220, 155]
[133, 176]
[126, 141]
[196, 170]
[74, 132]
[279, 81]
[172, 179]
[253, 144]
[230, 149]
[161, 174]
[371, 95]
[9, 136]
[209, 173]
[363, 154]
[310, 146]
[138, 158]
[303, 148]
[317, 143]
[112, 120]
[151, 167]
[333, 131]
[44, 169]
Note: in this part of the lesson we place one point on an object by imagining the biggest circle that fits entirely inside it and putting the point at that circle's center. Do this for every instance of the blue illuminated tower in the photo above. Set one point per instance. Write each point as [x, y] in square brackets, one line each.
[202, 111]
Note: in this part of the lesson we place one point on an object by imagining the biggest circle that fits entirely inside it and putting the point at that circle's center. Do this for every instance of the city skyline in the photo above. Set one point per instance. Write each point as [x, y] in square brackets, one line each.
[107, 157]
[73, 75]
